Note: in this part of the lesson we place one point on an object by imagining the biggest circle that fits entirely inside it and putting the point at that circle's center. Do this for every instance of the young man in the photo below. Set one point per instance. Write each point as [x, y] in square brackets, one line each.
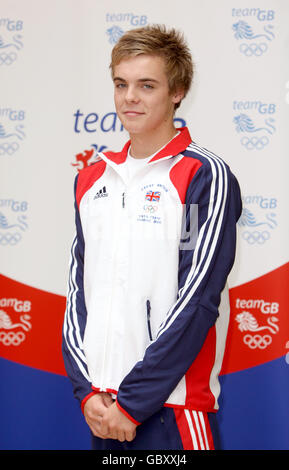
[147, 311]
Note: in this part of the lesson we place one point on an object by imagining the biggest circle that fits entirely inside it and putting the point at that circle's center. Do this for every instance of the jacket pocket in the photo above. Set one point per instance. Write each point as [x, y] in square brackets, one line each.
[149, 320]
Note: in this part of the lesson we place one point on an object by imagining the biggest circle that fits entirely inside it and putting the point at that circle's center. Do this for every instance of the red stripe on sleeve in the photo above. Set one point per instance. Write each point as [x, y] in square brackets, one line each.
[85, 400]
[182, 174]
[126, 413]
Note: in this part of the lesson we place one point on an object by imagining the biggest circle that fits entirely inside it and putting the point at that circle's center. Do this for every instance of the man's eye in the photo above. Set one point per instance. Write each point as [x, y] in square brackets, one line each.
[147, 86]
[120, 85]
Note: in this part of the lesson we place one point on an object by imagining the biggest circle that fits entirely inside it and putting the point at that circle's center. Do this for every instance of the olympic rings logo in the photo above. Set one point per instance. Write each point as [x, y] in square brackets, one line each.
[9, 148]
[253, 49]
[256, 237]
[7, 59]
[9, 238]
[150, 208]
[255, 142]
[257, 341]
[11, 338]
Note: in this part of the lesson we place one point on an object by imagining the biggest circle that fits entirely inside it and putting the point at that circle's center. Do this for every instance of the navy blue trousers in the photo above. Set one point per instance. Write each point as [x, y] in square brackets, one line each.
[170, 429]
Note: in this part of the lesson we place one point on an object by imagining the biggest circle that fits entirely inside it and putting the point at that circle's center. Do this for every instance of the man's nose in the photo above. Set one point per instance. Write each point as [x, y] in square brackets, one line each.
[131, 94]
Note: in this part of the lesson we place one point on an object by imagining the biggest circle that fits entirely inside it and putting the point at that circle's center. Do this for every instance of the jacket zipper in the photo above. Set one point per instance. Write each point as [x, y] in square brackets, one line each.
[109, 317]
[149, 319]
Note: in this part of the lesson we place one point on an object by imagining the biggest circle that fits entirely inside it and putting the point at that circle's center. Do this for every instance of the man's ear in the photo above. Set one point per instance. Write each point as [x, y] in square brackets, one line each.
[177, 96]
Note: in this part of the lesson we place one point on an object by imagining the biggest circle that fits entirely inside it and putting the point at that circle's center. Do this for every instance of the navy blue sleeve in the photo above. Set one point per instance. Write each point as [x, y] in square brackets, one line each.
[203, 272]
[75, 318]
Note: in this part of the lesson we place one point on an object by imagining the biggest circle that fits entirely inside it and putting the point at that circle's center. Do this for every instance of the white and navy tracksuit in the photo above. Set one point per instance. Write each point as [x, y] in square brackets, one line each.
[148, 310]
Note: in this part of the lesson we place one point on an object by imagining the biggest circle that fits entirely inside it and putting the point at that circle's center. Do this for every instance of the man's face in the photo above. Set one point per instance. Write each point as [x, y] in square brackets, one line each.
[141, 95]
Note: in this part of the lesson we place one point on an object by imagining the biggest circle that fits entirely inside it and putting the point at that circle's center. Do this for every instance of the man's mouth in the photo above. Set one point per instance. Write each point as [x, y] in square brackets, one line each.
[132, 113]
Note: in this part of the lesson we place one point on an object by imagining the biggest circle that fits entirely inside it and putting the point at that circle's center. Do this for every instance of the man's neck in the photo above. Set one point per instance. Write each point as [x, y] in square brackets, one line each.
[143, 146]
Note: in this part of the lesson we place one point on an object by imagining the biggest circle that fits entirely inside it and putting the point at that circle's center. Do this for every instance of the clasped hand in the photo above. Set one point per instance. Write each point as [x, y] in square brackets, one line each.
[106, 420]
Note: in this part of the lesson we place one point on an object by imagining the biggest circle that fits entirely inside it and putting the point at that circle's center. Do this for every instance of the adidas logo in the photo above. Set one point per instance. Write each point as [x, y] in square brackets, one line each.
[101, 193]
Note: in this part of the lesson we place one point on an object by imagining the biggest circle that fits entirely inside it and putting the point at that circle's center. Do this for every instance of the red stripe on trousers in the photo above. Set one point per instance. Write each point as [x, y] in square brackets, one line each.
[184, 429]
[209, 432]
[203, 441]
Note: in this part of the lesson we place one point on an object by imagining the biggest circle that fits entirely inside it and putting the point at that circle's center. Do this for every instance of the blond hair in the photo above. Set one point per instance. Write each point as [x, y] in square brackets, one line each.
[159, 41]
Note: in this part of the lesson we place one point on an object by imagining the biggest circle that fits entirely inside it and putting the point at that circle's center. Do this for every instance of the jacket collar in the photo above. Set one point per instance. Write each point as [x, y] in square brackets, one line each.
[177, 145]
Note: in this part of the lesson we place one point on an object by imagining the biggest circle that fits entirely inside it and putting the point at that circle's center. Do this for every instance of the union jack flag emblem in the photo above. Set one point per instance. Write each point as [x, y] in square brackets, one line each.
[153, 196]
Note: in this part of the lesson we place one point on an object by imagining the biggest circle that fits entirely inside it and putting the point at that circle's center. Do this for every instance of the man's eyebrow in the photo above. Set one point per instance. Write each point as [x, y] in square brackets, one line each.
[118, 78]
[148, 80]
[139, 80]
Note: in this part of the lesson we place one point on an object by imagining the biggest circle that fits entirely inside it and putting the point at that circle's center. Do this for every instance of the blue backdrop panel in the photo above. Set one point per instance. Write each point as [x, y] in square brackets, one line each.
[254, 412]
[39, 411]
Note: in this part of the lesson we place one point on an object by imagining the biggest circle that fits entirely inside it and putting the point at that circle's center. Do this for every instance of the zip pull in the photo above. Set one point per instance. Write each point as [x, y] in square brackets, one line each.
[123, 203]
[149, 319]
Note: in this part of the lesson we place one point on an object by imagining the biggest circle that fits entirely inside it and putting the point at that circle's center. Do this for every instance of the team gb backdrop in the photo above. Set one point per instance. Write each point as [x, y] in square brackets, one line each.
[56, 113]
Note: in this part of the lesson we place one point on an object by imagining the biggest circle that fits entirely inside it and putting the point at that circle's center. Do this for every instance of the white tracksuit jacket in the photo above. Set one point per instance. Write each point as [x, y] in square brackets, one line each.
[147, 305]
